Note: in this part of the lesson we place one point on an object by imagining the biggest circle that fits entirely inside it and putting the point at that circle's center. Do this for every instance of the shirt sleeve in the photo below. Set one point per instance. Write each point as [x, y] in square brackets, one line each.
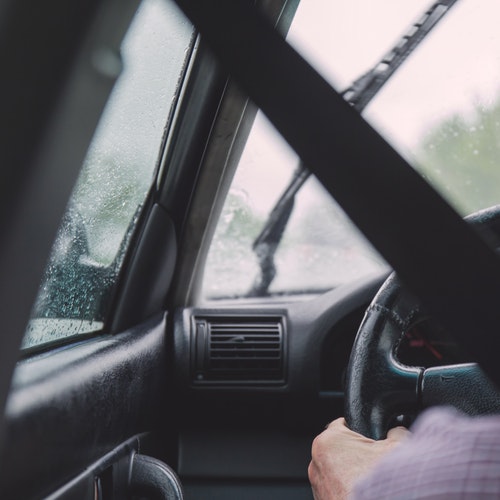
[449, 455]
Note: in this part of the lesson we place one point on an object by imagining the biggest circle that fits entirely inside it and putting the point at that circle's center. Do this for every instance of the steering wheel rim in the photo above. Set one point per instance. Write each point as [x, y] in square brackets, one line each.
[379, 387]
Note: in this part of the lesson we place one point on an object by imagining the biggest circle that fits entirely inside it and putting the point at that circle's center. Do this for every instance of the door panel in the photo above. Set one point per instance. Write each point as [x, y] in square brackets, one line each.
[70, 407]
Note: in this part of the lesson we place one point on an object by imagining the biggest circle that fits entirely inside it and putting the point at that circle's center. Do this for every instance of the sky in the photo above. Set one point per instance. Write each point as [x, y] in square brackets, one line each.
[345, 39]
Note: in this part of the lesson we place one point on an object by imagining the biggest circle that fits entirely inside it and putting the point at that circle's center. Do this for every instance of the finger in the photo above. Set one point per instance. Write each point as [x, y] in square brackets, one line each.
[398, 433]
[338, 422]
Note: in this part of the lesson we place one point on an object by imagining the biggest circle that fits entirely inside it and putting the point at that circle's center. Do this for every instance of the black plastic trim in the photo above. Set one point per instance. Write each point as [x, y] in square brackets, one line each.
[198, 108]
[149, 272]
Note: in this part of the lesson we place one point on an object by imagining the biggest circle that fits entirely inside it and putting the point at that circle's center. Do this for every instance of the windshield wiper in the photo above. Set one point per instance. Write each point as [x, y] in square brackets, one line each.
[266, 244]
[362, 90]
[358, 94]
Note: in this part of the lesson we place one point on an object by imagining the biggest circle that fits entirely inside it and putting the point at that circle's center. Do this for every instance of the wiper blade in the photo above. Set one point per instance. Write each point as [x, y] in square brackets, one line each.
[358, 94]
[362, 90]
[266, 243]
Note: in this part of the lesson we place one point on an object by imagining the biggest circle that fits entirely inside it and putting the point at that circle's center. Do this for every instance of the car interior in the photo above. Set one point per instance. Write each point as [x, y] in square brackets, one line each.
[225, 224]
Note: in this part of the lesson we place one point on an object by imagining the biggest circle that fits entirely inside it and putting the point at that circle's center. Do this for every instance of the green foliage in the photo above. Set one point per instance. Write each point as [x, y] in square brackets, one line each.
[461, 158]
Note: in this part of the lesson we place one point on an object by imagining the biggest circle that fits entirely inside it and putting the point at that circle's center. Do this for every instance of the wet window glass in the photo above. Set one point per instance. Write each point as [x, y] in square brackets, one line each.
[116, 176]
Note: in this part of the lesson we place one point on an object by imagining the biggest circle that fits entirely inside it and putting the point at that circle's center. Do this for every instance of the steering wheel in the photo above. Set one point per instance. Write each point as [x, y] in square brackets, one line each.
[380, 388]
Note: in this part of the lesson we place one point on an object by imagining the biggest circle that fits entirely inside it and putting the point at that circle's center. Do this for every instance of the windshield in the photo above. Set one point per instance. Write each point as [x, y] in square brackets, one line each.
[439, 110]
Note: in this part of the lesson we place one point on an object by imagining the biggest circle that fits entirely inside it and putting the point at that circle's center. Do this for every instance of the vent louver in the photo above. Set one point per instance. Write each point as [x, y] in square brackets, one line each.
[238, 350]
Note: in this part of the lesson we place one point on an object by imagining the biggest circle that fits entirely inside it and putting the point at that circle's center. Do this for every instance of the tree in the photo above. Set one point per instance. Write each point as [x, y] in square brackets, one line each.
[461, 157]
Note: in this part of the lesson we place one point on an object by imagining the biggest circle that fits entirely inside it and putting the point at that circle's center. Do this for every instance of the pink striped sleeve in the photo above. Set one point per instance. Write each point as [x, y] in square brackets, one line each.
[449, 455]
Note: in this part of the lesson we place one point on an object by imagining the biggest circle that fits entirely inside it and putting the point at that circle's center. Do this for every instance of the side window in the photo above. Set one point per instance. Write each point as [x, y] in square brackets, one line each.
[314, 247]
[116, 176]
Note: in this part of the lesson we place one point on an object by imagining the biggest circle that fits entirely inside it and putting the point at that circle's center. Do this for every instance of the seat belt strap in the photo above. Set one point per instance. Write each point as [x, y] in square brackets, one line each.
[435, 253]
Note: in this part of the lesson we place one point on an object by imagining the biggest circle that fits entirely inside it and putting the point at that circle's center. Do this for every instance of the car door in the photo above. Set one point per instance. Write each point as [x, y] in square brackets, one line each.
[91, 366]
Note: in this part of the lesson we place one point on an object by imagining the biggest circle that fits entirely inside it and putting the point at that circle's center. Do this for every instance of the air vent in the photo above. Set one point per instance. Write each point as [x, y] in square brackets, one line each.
[238, 350]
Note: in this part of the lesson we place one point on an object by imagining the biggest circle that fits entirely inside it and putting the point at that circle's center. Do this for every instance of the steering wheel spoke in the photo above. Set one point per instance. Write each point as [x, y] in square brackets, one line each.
[464, 386]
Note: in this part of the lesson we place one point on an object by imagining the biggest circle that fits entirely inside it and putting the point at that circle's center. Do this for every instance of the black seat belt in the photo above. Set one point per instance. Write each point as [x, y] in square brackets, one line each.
[435, 253]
